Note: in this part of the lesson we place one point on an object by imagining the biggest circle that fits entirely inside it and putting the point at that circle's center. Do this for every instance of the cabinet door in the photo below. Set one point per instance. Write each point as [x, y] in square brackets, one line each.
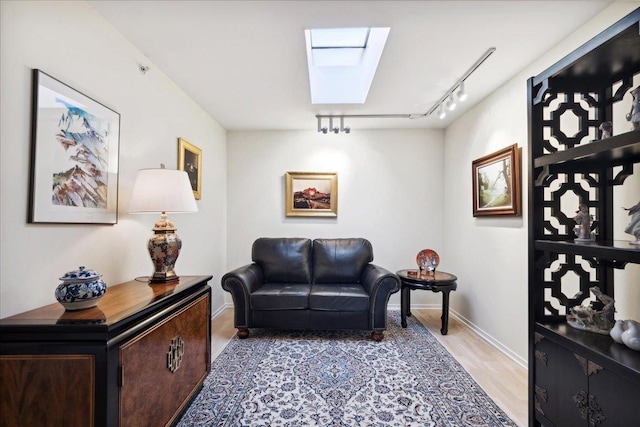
[561, 385]
[614, 400]
[52, 390]
[163, 367]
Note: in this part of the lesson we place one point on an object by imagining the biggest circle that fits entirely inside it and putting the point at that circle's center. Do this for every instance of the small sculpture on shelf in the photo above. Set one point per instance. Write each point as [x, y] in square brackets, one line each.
[583, 220]
[633, 116]
[607, 130]
[597, 317]
[634, 226]
[627, 332]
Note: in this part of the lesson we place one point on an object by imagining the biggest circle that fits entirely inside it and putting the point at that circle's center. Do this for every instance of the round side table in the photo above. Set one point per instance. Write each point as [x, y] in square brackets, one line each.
[438, 281]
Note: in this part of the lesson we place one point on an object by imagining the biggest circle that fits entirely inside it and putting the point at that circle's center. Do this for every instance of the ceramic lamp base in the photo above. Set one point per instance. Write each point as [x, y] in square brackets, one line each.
[164, 248]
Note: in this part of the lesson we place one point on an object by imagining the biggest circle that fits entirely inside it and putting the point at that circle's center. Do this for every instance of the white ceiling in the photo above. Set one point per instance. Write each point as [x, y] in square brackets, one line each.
[244, 62]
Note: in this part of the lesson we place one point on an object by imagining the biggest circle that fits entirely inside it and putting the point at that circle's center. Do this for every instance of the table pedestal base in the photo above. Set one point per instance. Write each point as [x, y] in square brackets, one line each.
[410, 284]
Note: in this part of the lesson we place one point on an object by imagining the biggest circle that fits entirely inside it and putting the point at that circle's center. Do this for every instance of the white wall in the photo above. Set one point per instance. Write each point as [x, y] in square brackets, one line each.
[489, 255]
[71, 42]
[390, 191]
[404, 190]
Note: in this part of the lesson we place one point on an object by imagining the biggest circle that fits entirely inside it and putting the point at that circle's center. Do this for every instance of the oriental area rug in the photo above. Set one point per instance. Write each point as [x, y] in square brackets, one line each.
[341, 378]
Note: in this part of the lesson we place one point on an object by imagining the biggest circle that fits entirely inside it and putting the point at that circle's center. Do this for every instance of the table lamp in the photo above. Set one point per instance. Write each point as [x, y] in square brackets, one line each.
[161, 191]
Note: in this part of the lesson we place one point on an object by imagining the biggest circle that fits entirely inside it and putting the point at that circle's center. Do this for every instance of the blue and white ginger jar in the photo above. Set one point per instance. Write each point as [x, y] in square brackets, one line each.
[80, 289]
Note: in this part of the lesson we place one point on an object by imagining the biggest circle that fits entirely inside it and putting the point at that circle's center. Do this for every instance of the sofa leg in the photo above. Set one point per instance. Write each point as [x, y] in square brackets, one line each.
[377, 335]
[243, 333]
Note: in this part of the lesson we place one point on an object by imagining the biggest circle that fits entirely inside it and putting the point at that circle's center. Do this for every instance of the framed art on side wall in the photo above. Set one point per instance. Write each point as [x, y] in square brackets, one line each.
[190, 161]
[311, 194]
[74, 156]
[496, 183]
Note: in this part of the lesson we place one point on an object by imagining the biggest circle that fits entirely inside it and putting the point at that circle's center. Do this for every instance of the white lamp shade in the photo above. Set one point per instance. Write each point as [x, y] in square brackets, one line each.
[162, 190]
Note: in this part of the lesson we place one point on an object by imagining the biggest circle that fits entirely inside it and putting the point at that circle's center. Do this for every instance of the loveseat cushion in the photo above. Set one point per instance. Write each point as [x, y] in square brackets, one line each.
[281, 296]
[283, 260]
[340, 260]
[337, 297]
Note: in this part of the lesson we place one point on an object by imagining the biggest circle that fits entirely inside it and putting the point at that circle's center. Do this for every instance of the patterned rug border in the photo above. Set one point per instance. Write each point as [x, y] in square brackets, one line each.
[341, 378]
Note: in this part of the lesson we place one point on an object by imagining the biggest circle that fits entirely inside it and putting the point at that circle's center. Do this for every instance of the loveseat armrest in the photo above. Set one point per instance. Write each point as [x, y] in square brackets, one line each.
[240, 283]
[379, 283]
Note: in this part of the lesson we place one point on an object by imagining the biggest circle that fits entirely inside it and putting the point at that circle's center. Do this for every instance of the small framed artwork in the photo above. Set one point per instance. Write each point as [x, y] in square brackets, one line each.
[74, 156]
[496, 183]
[311, 194]
[190, 161]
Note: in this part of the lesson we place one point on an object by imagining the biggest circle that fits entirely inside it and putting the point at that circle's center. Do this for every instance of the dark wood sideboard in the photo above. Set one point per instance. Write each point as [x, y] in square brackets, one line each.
[136, 359]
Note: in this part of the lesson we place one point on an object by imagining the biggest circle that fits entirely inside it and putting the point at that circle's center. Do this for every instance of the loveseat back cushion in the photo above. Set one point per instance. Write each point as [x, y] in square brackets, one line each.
[340, 260]
[283, 260]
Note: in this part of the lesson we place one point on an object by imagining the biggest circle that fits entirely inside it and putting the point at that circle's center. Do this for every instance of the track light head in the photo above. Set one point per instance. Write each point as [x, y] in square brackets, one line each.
[442, 114]
[342, 128]
[451, 103]
[462, 95]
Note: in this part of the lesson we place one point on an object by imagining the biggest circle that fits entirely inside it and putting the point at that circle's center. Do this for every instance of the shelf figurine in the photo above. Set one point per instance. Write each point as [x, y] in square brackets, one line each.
[607, 129]
[583, 228]
[634, 226]
[633, 116]
[597, 317]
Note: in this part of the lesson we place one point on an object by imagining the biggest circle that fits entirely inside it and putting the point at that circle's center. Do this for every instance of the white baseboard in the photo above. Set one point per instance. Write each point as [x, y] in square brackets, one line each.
[222, 308]
[475, 328]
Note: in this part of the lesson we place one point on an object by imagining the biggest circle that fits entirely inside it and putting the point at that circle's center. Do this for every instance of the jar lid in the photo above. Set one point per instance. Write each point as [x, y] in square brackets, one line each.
[80, 275]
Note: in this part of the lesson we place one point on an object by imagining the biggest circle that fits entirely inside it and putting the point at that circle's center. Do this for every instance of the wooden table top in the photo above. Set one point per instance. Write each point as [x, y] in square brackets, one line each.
[435, 278]
[118, 302]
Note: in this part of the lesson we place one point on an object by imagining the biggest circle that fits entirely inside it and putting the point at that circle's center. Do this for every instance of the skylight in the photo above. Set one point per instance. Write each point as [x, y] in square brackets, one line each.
[342, 63]
[339, 38]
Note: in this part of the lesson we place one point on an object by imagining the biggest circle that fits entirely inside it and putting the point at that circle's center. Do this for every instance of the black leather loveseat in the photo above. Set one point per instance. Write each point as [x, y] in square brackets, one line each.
[296, 283]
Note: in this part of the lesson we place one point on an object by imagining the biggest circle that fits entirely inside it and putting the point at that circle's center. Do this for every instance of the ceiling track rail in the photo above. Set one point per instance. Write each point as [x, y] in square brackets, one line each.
[439, 103]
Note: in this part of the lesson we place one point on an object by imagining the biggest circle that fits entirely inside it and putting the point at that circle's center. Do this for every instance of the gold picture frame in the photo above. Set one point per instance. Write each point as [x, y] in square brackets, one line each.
[311, 194]
[496, 183]
[190, 161]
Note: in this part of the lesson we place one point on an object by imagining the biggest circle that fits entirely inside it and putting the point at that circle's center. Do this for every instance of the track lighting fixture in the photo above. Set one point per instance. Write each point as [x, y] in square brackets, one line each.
[442, 114]
[451, 103]
[342, 128]
[320, 128]
[331, 128]
[462, 95]
[448, 102]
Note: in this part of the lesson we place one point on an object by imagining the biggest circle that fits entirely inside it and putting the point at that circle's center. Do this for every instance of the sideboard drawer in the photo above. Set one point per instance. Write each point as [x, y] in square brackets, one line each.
[162, 368]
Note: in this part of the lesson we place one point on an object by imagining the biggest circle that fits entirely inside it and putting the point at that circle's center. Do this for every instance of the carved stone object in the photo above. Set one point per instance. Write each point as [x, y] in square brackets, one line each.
[598, 317]
[583, 228]
[634, 115]
[633, 227]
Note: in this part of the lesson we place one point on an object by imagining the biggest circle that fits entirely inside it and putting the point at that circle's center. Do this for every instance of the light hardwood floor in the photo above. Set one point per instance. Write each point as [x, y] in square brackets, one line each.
[500, 377]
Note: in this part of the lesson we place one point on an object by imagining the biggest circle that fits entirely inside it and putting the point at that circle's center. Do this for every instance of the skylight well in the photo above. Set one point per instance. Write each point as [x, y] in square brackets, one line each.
[342, 63]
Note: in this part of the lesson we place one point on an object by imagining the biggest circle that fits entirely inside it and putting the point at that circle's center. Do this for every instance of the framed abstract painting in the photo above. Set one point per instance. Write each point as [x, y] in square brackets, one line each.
[74, 156]
[311, 194]
[496, 183]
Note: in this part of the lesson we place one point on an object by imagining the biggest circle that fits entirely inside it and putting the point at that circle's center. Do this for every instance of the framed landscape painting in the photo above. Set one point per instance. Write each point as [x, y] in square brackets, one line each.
[311, 194]
[496, 183]
[190, 161]
[74, 156]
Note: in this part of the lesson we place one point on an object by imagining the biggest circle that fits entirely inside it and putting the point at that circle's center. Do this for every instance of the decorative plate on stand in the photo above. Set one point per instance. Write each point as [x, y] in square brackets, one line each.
[427, 259]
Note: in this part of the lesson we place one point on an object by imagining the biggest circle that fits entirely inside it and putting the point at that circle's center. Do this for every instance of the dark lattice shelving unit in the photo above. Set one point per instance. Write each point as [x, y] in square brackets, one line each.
[578, 377]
